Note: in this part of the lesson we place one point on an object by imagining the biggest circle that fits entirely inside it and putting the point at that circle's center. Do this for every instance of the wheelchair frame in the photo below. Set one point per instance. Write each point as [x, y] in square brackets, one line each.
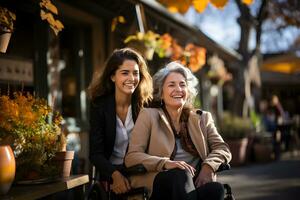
[101, 189]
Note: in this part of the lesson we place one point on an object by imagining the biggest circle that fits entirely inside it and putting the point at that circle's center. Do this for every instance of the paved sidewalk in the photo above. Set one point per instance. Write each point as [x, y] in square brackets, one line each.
[277, 180]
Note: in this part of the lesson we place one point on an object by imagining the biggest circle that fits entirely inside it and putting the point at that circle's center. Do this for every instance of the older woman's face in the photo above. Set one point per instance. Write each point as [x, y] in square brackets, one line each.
[174, 92]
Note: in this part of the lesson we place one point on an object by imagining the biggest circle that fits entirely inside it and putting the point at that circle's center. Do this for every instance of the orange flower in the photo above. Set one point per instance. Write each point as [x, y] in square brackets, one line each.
[197, 56]
[177, 51]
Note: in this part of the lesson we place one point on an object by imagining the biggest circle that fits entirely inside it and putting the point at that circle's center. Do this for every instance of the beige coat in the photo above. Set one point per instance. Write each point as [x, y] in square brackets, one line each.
[152, 142]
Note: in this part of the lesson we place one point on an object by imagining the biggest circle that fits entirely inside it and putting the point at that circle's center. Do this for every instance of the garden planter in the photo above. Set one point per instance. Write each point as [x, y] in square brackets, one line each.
[238, 149]
[7, 168]
[4, 40]
[63, 161]
[262, 152]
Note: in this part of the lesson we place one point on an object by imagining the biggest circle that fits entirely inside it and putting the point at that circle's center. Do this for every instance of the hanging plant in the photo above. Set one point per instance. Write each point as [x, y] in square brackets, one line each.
[145, 43]
[7, 19]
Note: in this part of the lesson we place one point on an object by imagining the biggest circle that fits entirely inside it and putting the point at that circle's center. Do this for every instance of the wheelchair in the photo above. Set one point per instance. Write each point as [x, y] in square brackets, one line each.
[100, 189]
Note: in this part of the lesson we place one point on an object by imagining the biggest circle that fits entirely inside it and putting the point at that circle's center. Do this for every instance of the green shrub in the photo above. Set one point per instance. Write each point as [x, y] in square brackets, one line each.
[234, 127]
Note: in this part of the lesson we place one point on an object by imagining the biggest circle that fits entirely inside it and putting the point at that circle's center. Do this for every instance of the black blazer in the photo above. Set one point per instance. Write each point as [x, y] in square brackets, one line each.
[103, 132]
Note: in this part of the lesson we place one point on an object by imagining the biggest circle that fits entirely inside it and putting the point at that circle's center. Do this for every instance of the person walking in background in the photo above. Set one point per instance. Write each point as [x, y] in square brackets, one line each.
[123, 89]
[283, 124]
[177, 144]
[268, 119]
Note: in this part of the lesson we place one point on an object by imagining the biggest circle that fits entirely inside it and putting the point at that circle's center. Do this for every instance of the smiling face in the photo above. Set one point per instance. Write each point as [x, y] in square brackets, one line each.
[126, 77]
[174, 92]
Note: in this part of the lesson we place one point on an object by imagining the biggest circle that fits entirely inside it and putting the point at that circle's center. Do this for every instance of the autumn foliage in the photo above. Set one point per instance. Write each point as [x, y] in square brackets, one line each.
[199, 5]
[165, 46]
[31, 127]
[48, 11]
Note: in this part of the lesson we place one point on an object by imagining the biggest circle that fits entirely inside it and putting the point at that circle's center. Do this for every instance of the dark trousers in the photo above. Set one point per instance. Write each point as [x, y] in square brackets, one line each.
[176, 184]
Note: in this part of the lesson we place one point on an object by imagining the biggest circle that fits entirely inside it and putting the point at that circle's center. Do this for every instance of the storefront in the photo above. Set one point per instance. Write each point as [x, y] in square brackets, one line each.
[59, 68]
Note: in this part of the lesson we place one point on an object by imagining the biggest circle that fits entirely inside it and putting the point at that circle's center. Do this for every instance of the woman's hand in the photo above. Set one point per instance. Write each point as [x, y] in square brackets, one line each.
[120, 183]
[206, 175]
[170, 164]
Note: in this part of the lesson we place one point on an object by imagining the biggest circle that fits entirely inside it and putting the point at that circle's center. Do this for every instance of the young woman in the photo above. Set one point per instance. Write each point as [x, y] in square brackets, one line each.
[116, 99]
[178, 145]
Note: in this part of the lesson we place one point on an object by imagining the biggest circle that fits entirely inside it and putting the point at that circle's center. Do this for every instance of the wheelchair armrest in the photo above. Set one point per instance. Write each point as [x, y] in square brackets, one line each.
[139, 190]
[223, 167]
[135, 170]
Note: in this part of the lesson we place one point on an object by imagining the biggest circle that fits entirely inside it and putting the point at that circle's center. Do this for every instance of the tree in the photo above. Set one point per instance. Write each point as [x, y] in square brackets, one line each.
[282, 13]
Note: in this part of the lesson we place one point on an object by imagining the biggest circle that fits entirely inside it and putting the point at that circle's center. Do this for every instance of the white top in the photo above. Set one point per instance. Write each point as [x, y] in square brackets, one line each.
[182, 155]
[123, 132]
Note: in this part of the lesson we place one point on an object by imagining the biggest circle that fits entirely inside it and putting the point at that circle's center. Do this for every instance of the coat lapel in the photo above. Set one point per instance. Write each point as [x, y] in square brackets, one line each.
[197, 134]
[110, 122]
[165, 120]
[167, 130]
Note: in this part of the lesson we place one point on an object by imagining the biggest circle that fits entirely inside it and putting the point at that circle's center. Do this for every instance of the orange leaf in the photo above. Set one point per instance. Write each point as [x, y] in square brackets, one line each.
[248, 2]
[177, 6]
[115, 21]
[173, 9]
[121, 19]
[113, 24]
[184, 6]
[219, 3]
[49, 6]
[200, 5]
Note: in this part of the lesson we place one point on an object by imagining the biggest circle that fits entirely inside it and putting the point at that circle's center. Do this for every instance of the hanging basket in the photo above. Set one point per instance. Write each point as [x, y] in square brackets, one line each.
[140, 46]
[4, 40]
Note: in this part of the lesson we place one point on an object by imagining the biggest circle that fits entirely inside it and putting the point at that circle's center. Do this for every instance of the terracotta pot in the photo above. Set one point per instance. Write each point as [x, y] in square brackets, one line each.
[238, 149]
[7, 168]
[263, 152]
[4, 40]
[63, 161]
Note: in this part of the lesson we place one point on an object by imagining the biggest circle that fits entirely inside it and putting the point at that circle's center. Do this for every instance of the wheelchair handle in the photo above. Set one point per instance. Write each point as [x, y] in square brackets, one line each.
[223, 167]
[135, 170]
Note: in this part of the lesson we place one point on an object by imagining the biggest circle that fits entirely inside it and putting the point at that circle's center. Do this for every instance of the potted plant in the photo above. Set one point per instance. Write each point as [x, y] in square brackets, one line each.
[7, 19]
[235, 131]
[33, 131]
[145, 43]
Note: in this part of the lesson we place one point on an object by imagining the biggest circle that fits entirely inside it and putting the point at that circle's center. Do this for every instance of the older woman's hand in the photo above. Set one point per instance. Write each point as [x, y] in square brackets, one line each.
[170, 164]
[206, 175]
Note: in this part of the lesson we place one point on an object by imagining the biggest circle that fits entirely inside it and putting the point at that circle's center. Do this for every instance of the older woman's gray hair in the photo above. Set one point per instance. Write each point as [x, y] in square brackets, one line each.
[160, 77]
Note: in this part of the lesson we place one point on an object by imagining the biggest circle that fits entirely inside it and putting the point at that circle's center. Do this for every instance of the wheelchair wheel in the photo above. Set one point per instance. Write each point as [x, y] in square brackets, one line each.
[96, 192]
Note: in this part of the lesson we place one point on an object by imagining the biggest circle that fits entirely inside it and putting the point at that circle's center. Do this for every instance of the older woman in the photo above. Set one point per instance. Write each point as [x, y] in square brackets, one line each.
[179, 146]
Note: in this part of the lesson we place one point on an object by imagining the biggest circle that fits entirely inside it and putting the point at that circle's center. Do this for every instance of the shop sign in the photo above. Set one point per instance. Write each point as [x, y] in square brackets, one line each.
[16, 70]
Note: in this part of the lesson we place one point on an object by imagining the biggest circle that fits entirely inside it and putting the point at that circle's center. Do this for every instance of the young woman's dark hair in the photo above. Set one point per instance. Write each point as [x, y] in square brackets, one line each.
[103, 85]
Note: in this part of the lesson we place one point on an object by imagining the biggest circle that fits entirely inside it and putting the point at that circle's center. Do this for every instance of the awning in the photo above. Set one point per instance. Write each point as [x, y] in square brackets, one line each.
[287, 64]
